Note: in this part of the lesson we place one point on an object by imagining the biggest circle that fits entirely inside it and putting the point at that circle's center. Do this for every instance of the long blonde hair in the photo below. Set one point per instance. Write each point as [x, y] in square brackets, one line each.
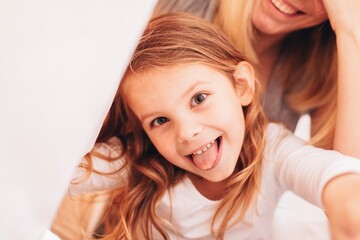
[308, 70]
[170, 40]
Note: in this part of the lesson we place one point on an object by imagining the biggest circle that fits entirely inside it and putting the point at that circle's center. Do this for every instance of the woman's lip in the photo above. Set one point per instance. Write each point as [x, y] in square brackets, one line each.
[283, 7]
[291, 10]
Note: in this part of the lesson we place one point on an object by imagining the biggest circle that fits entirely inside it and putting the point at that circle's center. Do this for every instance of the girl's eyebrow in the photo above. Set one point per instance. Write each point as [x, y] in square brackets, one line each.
[193, 86]
[143, 117]
[147, 115]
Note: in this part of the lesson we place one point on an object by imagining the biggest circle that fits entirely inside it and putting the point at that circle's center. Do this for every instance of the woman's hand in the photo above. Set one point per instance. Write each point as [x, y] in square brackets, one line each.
[341, 199]
[344, 15]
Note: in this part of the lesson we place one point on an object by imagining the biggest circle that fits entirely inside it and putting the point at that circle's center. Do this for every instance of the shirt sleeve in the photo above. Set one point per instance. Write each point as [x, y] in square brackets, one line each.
[48, 235]
[305, 169]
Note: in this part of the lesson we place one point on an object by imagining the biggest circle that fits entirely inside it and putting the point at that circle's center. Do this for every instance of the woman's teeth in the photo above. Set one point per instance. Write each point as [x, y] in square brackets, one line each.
[284, 8]
[204, 149]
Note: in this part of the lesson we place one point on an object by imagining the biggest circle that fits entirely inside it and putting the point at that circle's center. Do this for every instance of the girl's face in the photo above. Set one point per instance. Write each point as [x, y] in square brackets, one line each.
[193, 115]
[285, 16]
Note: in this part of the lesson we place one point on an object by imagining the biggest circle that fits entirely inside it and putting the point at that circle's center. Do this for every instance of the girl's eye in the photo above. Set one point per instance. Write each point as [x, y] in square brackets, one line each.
[159, 121]
[198, 98]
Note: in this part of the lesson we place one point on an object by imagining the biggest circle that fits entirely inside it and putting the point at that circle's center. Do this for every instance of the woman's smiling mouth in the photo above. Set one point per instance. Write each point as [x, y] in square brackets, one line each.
[285, 8]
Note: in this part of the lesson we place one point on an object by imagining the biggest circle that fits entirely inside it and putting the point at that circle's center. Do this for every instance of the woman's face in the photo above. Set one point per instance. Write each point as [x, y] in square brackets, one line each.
[284, 16]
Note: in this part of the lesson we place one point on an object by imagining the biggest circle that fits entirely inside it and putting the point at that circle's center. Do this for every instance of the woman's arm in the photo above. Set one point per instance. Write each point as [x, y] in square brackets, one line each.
[345, 20]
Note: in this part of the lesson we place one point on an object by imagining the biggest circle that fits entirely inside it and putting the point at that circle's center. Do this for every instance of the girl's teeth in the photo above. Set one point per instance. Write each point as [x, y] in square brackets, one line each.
[204, 149]
[283, 7]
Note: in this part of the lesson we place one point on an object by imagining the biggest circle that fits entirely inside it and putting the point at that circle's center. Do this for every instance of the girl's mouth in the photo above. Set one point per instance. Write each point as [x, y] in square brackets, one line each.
[204, 149]
[208, 157]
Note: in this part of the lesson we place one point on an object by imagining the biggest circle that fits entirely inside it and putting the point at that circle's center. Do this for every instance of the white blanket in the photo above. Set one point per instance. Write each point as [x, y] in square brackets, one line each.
[61, 62]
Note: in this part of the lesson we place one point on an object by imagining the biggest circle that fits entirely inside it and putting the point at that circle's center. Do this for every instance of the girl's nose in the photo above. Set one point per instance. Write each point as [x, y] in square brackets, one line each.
[187, 130]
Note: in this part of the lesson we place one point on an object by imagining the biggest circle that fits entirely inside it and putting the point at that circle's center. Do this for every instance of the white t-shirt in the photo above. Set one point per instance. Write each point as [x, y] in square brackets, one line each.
[289, 164]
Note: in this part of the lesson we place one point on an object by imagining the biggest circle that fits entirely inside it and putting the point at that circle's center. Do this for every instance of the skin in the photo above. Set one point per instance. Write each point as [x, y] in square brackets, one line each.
[344, 218]
[345, 20]
[179, 109]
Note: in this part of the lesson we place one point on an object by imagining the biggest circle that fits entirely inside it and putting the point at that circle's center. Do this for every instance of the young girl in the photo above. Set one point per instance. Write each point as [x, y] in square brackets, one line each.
[192, 153]
[306, 65]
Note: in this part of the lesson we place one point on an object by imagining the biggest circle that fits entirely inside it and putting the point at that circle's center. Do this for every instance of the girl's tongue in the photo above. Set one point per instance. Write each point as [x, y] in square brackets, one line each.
[207, 159]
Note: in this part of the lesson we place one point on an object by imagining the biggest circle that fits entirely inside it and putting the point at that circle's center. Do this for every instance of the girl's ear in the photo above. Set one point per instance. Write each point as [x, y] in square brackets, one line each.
[244, 78]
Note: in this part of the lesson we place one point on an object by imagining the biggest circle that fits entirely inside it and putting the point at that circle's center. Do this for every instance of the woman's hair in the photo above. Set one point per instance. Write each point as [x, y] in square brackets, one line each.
[169, 40]
[308, 70]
